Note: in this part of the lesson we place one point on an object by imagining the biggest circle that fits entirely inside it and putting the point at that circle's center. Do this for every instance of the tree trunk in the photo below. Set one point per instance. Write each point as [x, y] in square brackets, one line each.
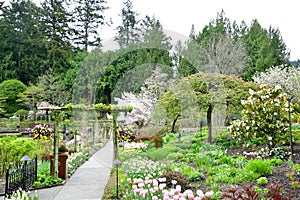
[209, 122]
[174, 123]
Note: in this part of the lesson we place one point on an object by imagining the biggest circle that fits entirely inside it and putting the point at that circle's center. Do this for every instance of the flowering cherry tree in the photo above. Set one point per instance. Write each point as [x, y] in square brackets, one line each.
[265, 116]
[287, 77]
[144, 102]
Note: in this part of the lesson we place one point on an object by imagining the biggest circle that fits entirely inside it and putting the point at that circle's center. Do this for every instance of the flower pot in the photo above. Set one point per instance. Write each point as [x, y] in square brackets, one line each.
[62, 165]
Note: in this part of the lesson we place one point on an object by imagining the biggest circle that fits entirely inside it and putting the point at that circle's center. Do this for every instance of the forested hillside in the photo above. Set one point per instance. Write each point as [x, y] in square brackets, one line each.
[54, 49]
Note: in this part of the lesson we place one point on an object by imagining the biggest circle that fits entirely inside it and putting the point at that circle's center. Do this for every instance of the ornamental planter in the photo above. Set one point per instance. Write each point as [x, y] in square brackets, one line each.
[62, 165]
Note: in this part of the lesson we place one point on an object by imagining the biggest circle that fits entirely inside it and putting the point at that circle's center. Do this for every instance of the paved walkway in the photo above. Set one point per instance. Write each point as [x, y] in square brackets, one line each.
[89, 180]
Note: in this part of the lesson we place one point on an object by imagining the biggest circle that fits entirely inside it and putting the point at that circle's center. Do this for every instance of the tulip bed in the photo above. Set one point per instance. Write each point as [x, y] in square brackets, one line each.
[192, 169]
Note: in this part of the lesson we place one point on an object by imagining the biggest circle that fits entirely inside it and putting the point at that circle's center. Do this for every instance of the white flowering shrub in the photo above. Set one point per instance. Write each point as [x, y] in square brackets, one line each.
[265, 118]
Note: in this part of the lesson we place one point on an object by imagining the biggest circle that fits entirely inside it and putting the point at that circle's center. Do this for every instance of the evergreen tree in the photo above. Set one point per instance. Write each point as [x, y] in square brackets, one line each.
[128, 32]
[22, 49]
[265, 49]
[89, 16]
[56, 27]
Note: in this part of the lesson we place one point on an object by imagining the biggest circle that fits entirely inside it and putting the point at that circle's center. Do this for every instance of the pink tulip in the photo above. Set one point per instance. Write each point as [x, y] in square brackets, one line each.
[200, 193]
[178, 188]
[166, 198]
[162, 180]
[171, 193]
[174, 182]
[129, 180]
[152, 190]
[209, 194]
[155, 182]
[154, 198]
[134, 187]
[143, 193]
[141, 185]
[162, 186]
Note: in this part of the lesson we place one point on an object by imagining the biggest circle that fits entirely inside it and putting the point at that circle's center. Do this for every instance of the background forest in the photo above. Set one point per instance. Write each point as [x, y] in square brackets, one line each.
[52, 52]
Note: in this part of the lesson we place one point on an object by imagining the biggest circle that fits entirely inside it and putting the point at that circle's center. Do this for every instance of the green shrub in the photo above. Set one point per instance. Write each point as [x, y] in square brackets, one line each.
[22, 113]
[160, 153]
[175, 156]
[12, 149]
[260, 166]
[169, 137]
[264, 116]
[262, 181]
[191, 173]
[276, 161]
[279, 153]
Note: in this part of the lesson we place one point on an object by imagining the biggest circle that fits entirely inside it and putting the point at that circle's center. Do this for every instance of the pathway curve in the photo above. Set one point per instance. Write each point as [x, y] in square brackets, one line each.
[89, 180]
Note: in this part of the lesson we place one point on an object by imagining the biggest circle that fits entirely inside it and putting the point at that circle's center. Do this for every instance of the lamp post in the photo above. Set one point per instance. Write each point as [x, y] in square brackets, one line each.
[24, 159]
[117, 163]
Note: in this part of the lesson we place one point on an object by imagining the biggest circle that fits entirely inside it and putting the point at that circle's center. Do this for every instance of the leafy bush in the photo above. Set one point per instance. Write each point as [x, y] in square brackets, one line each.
[265, 115]
[160, 153]
[262, 181]
[175, 156]
[13, 149]
[190, 172]
[260, 166]
[169, 137]
[9, 89]
[279, 153]
[276, 161]
[22, 113]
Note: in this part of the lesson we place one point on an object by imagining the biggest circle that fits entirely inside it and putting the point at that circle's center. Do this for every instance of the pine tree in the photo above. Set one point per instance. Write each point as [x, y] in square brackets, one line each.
[21, 41]
[89, 16]
[128, 32]
[56, 27]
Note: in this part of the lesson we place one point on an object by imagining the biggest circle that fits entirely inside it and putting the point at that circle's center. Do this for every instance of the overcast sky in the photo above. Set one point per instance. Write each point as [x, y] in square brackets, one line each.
[179, 15]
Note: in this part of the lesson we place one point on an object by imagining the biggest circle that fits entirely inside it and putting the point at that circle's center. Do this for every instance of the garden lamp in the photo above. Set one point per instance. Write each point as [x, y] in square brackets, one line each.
[25, 158]
[117, 163]
[228, 139]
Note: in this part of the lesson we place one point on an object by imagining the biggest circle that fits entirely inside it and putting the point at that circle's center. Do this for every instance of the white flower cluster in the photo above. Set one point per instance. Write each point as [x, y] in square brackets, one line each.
[140, 167]
[134, 145]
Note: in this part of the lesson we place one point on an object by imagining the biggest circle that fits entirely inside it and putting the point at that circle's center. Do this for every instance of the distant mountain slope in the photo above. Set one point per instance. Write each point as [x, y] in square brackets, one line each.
[295, 63]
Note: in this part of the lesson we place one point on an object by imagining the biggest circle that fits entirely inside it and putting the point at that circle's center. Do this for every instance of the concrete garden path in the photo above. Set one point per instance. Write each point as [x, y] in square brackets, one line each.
[89, 180]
